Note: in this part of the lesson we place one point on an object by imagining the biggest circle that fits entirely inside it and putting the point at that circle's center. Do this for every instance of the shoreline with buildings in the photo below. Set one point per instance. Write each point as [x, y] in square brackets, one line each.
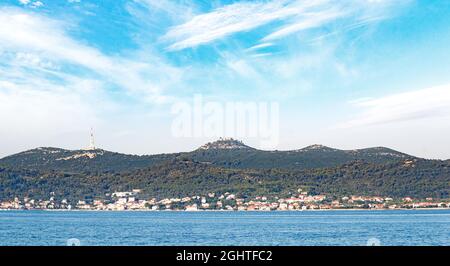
[201, 210]
[299, 201]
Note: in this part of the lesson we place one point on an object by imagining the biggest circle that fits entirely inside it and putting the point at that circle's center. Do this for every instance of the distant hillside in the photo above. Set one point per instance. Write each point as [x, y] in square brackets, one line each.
[227, 153]
[315, 156]
[416, 178]
[80, 161]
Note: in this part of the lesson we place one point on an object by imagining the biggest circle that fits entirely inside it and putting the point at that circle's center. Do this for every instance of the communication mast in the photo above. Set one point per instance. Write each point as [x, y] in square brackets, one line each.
[91, 141]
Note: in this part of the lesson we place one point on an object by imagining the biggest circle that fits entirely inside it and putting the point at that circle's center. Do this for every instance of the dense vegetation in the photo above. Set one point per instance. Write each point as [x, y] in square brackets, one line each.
[54, 159]
[222, 166]
[46, 159]
[308, 158]
[180, 177]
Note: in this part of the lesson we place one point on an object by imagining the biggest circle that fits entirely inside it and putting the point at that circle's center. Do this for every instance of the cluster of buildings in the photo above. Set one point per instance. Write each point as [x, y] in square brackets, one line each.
[130, 200]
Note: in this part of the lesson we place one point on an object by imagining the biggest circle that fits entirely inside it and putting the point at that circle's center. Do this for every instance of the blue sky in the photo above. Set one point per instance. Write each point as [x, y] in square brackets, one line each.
[347, 74]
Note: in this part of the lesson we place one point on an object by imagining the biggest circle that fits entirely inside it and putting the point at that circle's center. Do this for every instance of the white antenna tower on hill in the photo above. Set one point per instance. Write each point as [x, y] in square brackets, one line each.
[91, 141]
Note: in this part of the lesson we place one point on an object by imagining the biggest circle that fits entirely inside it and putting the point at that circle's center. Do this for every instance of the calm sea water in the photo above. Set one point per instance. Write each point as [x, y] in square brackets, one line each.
[398, 227]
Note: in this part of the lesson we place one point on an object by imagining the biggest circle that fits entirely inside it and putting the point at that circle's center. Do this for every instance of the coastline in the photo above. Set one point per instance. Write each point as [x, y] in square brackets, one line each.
[199, 211]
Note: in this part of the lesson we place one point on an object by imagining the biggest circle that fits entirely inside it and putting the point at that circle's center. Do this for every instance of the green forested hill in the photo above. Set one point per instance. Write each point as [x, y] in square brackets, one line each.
[226, 154]
[418, 178]
[80, 161]
[315, 156]
[222, 166]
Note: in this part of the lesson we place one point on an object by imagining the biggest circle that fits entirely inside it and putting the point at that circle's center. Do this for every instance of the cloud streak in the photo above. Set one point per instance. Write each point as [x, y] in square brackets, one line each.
[223, 21]
[295, 16]
[43, 39]
[421, 104]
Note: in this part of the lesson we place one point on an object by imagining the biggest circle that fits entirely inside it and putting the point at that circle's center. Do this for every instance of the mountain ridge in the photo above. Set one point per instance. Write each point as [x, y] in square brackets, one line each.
[214, 145]
[225, 166]
[228, 153]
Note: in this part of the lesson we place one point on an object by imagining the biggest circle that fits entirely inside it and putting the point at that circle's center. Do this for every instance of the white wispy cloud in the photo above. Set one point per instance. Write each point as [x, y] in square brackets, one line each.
[262, 54]
[419, 104]
[169, 7]
[24, 2]
[31, 32]
[242, 68]
[29, 59]
[32, 4]
[37, 38]
[260, 46]
[37, 4]
[240, 17]
[230, 19]
[308, 21]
